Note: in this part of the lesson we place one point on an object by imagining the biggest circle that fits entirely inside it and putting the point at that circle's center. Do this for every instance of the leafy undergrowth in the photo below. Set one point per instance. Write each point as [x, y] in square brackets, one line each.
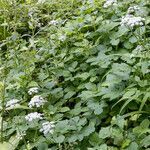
[75, 74]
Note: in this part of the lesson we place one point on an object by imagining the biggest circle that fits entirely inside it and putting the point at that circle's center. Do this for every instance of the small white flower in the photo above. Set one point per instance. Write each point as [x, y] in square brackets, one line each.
[36, 101]
[62, 38]
[33, 90]
[12, 103]
[47, 127]
[131, 21]
[33, 116]
[109, 3]
[53, 22]
[133, 9]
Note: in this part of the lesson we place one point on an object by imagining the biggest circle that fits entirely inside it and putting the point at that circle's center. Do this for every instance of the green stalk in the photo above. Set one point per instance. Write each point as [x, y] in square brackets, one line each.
[3, 109]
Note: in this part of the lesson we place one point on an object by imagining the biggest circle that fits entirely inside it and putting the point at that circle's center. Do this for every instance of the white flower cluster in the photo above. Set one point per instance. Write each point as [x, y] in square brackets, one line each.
[133, 9]
[53, 22]
[131, 21]
[37, 101]
[47, 127]
[33, 116]
[109, 3]
[12, 103]
[33, 90]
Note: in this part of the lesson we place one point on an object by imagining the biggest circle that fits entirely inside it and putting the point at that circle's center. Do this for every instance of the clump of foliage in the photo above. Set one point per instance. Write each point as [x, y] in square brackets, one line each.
[75, 74]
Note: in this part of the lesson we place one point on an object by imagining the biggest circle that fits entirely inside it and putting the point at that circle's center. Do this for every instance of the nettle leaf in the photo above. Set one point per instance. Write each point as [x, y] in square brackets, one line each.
[97, 107]
[95, 140]
[64, 109]
[146, 141]
[85, 95]
[90, 86]
[144, 67]
[103, 147]
[42, 146]
[69, 94]
[126, 143]
[133, 39]
[33, 84]
[105, 132]
[122, 31]
[133, 146]
[112, 92]
[59, 139]
[119, 121]
[115, 42]
[86, 131]
[62, 126]
[83, 76]
[107, 26]
[145, 123]
[121, 70]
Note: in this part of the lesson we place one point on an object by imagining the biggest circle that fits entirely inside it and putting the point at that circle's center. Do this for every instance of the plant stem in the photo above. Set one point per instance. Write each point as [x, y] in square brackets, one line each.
[3, 109]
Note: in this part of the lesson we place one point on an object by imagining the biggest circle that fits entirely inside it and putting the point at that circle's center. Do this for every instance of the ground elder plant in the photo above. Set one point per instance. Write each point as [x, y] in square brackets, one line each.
[74, 75]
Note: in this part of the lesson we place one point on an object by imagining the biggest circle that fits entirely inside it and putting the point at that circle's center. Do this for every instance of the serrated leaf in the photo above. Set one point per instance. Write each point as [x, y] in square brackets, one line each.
[105, 132]
[115, 42]
[146, 141]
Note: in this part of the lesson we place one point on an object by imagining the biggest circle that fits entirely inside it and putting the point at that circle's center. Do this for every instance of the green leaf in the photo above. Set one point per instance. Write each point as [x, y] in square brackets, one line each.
[69, 94]
[126, 143]
[64, 109]
[145, 123]
[96, 107]
[33, 84]
[83, 76]
[105, 132]
[146, 141]
[18, 107]
[133, 146]
[115, 42]
[42, 146]
[59, 139]
[95, 140]
[133, 39]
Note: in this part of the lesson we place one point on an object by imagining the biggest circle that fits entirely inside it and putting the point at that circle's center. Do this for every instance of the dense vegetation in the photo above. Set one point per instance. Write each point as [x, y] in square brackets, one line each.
[75, 74]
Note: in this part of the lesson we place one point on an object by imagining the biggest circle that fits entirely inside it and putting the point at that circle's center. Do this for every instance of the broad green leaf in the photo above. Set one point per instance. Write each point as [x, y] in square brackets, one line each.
[146, 141]
[105, 132]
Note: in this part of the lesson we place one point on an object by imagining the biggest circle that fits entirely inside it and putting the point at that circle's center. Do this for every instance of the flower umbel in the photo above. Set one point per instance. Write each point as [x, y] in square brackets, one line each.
[33, 116]
[109, 3]
[33, 90]
[12, 103]
[131, 21]
[47, 127]
[133, 9]
[36, 101]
